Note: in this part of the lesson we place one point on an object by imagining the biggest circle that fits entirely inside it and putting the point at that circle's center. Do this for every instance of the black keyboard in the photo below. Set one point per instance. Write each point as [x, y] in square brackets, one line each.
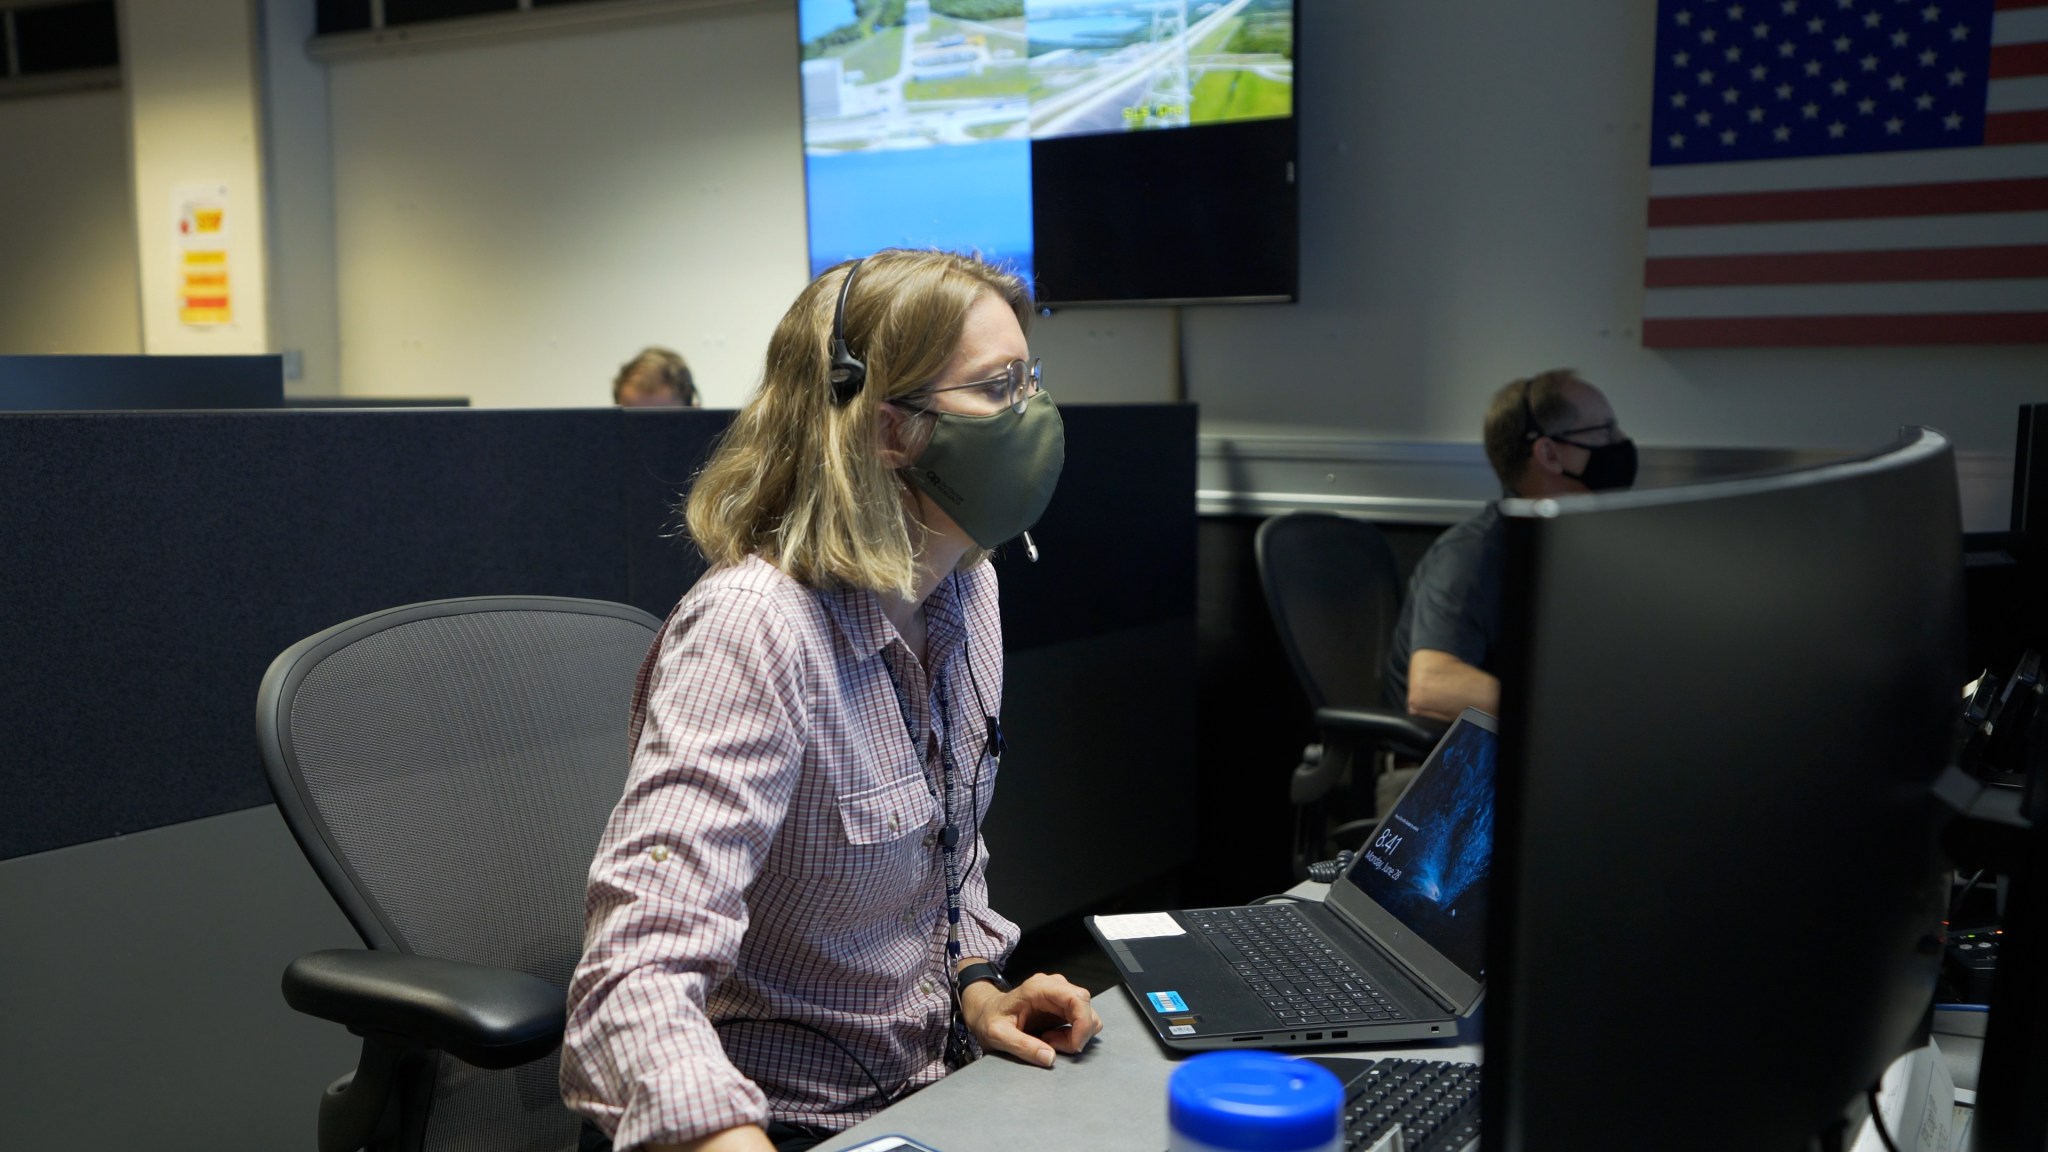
[1301, 978]
[1434, 1104]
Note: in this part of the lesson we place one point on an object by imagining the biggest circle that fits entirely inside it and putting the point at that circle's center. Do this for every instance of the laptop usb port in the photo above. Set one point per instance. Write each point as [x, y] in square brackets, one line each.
[1313, 1036]
[1339, 1035]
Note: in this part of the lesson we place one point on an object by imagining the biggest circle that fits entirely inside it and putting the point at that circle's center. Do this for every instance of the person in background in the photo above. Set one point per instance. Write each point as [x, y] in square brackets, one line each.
[656, 378]
[1551, 434]
[787, 924]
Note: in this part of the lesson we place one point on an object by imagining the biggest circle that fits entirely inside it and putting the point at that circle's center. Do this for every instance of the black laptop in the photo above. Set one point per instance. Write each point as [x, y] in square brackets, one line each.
[1397, 951]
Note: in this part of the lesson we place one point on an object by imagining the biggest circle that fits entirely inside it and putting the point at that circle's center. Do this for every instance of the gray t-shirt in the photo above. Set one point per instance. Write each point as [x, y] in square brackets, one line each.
[1453, 602]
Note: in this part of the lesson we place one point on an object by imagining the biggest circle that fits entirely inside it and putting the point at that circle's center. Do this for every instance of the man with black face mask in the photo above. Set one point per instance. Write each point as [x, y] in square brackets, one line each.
[1551, 434]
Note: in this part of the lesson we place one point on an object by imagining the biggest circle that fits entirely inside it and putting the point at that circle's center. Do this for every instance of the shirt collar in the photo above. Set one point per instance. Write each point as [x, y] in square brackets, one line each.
[858, 613]
[859, 616]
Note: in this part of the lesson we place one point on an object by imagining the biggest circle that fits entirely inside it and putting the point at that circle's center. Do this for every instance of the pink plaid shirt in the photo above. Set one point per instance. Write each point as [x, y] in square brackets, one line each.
[776, 856]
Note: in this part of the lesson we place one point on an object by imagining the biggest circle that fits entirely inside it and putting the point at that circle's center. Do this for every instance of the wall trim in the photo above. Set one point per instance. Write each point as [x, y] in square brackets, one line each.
[58, 83]
[496, 27]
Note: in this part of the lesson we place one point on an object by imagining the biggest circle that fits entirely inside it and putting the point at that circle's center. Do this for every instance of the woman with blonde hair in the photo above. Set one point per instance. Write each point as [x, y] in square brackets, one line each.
[787, 923]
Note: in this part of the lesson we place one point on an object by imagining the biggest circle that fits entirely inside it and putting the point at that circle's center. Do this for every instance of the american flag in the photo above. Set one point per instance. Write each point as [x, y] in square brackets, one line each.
[1848, 172]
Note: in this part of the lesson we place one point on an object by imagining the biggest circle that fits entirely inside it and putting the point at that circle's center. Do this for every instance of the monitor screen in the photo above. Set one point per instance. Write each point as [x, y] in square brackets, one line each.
[1427, 862]
[1109, 150]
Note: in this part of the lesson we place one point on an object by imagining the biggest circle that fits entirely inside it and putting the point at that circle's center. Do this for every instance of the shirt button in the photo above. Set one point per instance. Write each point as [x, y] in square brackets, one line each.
[931, 838]
[895, 824]
[658, 853]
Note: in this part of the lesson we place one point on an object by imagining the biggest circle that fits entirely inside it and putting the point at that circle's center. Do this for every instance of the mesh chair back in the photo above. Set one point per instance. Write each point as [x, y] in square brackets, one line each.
[448, 768]
[1334, 591]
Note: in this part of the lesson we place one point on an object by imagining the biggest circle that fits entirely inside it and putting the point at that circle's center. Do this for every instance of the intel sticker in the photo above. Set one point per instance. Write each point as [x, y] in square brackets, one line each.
[1167, 1002]
[1182, 1030]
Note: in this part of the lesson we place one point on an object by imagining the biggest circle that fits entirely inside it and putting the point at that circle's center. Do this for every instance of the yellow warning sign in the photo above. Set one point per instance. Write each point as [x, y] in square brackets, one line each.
[204, 300]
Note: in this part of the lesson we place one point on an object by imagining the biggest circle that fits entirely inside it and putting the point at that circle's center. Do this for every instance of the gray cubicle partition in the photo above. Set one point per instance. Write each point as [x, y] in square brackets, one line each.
[151, 565]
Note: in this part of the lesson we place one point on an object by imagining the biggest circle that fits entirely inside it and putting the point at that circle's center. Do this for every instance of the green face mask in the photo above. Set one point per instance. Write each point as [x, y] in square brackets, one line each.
[993, 475]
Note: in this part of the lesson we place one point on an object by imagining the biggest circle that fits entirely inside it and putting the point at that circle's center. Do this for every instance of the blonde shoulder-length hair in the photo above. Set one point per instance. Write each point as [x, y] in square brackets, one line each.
[798, 478]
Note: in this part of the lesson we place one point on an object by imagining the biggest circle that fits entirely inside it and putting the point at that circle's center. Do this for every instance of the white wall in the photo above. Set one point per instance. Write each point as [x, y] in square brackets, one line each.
[67, 231]
[195, 116]
[1474, 177]
[514, 219]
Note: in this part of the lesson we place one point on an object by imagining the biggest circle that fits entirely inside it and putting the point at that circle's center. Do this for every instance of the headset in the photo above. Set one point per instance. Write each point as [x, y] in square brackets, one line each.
[847, 373]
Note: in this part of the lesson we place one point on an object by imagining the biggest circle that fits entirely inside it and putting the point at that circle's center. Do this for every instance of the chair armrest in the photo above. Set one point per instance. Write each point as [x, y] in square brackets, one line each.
[1398, 732]
[488, 1017]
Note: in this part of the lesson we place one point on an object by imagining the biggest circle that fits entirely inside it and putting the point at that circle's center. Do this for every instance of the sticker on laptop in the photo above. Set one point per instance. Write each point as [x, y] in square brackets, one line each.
[1181, 1030]
[1166, 1002]
[1138, 926]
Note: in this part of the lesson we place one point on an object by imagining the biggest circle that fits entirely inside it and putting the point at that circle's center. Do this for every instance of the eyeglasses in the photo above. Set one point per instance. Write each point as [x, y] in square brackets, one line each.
[1564, 435]
[1532, 431]
[1013, 390]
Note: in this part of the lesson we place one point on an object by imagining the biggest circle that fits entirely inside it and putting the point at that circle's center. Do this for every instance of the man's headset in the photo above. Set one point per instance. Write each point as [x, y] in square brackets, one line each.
[847, 373]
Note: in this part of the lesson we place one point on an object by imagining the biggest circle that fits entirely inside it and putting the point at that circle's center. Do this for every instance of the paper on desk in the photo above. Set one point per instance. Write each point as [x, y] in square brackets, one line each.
[1917, 1098]
[1138, 926]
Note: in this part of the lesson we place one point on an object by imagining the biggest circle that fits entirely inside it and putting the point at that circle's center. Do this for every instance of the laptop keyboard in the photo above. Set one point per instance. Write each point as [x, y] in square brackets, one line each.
[1301, 978]
[1433, 1103]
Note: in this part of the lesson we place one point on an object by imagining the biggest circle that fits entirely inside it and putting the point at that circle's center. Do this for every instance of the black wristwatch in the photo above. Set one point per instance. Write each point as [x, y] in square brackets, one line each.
[975, 974]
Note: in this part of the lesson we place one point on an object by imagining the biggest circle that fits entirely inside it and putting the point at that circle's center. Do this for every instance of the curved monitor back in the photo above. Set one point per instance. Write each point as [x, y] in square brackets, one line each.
[1716, 882]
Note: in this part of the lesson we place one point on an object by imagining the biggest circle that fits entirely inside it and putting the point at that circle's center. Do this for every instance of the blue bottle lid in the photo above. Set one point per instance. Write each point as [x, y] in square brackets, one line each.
[1254, 1102]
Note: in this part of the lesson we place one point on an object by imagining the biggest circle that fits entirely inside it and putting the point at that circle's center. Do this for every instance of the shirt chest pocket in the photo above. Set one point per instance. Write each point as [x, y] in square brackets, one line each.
[880, 866]
[889, 812]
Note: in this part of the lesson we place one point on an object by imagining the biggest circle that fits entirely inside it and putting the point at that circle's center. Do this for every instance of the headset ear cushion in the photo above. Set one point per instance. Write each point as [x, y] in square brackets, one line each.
[847, 373]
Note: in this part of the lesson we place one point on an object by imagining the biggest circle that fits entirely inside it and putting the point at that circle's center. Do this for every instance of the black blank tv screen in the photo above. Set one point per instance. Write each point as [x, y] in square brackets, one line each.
[1111, 151]
[83, 383]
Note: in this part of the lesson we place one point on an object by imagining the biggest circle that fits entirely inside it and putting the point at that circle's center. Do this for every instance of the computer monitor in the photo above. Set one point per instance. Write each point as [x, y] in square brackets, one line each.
[2030, 472]
[2029, 539]
[1718, 887]
[2012, 1082]
[87, 383]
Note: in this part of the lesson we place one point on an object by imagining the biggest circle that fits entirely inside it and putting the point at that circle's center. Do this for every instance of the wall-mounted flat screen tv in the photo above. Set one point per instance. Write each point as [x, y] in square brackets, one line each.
[1110, 151]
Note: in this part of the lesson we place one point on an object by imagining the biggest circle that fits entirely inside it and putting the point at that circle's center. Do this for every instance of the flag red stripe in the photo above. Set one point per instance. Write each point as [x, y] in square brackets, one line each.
[2019, 261]
[1813, 331]
[2009, 5]
[2009, 60]
[2029, 127]
[2017, 195]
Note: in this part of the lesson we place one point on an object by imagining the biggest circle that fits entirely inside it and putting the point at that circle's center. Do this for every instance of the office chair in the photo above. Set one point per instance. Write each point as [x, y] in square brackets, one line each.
[1334, 591]
[448, 768]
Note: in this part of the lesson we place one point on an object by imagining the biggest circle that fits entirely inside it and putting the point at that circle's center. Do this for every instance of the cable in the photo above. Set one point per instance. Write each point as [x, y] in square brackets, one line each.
[880, 1093]
[1955, 906]
[1877, 1120]
[1328, 871]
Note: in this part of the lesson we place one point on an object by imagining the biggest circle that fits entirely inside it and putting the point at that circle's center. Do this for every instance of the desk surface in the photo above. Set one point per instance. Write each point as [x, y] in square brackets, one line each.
[1111, 1098]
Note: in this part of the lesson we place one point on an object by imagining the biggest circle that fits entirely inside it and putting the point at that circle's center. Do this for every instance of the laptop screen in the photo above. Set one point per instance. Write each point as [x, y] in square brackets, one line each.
[1427, 863]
